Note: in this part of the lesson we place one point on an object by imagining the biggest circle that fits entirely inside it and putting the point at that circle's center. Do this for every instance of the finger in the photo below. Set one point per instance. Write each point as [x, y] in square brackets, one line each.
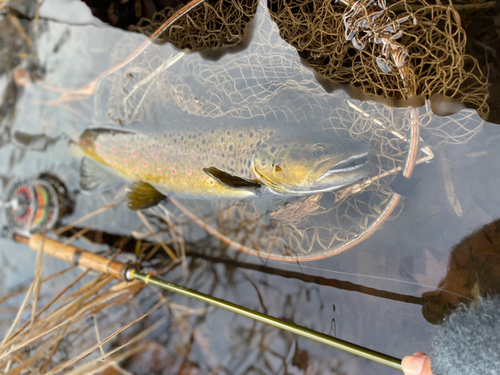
[417, 364]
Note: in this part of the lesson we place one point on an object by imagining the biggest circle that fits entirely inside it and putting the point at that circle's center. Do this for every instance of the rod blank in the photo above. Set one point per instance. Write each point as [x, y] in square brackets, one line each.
[275, 322]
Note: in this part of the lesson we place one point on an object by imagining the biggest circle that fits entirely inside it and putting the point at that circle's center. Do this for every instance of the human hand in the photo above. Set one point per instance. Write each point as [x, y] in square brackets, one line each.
[417, 364]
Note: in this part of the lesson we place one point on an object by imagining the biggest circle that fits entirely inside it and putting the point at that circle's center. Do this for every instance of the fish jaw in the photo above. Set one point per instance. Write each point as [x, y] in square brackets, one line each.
[332, 174]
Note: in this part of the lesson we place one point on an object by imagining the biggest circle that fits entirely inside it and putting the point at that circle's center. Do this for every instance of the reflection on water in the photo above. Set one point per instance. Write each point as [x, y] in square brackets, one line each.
[392, 278]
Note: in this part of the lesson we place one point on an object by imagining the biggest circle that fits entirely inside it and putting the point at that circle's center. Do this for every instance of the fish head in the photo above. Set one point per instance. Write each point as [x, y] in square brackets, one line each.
[307, 162]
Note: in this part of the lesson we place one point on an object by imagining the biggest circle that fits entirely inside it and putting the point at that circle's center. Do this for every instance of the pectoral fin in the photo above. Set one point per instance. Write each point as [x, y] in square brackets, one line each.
[95, 176]
[231, 180]
[142, 195]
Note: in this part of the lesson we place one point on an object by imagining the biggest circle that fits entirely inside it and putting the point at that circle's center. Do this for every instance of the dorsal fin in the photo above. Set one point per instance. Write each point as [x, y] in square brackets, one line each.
[94, 176]
[231, 180]
[142, 195]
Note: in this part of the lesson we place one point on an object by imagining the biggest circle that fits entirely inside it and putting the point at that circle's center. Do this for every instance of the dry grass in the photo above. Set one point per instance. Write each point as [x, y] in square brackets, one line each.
[74, 328]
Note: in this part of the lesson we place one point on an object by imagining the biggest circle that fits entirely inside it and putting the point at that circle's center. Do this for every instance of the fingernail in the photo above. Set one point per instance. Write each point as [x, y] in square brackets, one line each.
[413, 365]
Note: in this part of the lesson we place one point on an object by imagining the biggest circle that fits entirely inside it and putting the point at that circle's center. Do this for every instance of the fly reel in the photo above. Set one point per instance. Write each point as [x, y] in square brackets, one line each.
[30, 206]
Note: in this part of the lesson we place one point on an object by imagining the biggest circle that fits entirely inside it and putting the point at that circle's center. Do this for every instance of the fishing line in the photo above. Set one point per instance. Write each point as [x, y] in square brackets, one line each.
[375, 277]
[289, 259]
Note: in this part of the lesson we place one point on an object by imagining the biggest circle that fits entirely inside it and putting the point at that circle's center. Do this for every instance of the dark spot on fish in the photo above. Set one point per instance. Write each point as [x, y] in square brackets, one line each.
[223, 155]
[263, 162]
[228, 133]
[240, 135]
[231, 148]
[251, 135]
[242, 171]
[182, 138]
[285, 145]
[232, 162]
[175, 140]
[277, 168]
[189, 136]
[271, 133]
[249, 163]
[212, 131]
[222, 140]
[258, 144]
[204, 141]
[194, 136]
[273, 149]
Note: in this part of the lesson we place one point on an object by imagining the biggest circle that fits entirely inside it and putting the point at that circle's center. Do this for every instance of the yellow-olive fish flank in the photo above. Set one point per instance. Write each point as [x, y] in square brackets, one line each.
[222, 162]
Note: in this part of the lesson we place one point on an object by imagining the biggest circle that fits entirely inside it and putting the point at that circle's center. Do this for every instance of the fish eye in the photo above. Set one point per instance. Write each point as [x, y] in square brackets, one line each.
[319, 151]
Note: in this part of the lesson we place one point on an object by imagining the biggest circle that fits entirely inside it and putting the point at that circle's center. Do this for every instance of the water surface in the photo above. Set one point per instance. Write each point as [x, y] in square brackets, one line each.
[385, 291]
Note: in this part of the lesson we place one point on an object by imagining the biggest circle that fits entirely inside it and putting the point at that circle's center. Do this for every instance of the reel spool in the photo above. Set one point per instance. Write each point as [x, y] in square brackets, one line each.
[31, 206]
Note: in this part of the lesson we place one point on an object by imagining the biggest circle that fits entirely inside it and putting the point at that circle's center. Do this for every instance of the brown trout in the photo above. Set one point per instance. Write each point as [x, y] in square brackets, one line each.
[220, 162]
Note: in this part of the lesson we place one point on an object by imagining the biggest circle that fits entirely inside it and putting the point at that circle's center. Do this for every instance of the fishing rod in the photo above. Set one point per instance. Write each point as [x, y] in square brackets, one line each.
[127, 272]
[32, 207]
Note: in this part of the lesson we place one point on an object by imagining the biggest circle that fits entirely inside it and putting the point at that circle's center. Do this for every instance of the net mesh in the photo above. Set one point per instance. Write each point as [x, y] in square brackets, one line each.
[212, 25]
[428, 38]
[349, 41]
[422, 54]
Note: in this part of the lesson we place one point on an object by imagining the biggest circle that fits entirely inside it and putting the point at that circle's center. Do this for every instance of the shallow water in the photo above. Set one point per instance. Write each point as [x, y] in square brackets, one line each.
[381, 292]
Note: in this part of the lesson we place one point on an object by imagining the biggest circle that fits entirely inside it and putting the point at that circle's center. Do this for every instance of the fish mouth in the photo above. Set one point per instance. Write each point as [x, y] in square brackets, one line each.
[354, 163]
